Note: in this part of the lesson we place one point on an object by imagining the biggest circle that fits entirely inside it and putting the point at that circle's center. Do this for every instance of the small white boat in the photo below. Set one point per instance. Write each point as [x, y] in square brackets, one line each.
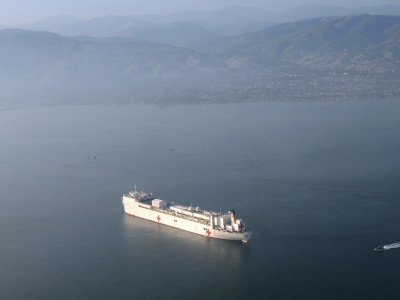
[379, 248]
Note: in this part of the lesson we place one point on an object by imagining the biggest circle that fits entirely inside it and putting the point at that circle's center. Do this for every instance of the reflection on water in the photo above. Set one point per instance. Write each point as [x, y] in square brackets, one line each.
[137, 230]
[173, 256]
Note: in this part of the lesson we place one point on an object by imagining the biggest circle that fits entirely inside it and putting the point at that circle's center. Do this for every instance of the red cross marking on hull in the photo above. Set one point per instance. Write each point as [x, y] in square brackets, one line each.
[208, 232]
[158, 218]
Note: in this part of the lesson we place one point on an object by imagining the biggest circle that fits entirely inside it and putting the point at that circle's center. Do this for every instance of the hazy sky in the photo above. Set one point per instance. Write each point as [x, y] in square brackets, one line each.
[16, 11]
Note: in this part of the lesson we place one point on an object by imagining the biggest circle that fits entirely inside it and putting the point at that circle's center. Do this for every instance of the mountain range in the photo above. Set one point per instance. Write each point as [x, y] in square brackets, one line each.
[229, 21]
[327, 58]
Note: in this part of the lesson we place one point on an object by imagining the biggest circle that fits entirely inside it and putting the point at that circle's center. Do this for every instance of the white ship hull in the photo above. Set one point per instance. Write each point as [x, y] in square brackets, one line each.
[198, 222]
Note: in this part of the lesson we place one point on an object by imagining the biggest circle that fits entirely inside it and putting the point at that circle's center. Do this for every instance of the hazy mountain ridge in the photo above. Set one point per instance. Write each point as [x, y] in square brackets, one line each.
[116, 54]
[178, 33]
[229, 21]
[35, 64]
[330, 58]
[182, 34]
[327, 35]
[97, 27]
[351, 57]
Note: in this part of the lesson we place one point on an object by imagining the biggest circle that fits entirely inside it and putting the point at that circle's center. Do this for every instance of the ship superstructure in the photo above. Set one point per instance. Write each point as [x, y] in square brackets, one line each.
[193, 219]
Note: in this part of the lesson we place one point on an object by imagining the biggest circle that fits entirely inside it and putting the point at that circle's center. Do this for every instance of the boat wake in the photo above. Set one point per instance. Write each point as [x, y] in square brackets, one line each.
[387, 247]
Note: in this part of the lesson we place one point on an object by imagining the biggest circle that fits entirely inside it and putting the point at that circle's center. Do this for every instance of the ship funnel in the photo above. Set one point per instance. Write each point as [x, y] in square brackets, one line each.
[233, 216]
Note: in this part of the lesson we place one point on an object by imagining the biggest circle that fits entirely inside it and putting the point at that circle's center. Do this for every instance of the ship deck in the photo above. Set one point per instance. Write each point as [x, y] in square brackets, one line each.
[168, 211]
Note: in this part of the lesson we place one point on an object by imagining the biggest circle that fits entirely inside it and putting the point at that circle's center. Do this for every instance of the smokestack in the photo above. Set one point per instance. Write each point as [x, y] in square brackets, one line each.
[233, 217]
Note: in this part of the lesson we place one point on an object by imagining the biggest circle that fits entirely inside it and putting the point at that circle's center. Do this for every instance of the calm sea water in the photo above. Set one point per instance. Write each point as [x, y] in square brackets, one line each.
[317, 183]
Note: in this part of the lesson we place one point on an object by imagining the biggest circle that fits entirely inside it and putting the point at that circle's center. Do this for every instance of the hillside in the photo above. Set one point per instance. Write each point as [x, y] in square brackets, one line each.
[45, 67]
[181, 34]
[316, 37]
[229, 21]
[331, 58]
[335, 58]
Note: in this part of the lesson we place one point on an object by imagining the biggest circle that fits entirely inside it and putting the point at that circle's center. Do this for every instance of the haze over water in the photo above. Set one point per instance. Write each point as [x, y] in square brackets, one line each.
[317, 183]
